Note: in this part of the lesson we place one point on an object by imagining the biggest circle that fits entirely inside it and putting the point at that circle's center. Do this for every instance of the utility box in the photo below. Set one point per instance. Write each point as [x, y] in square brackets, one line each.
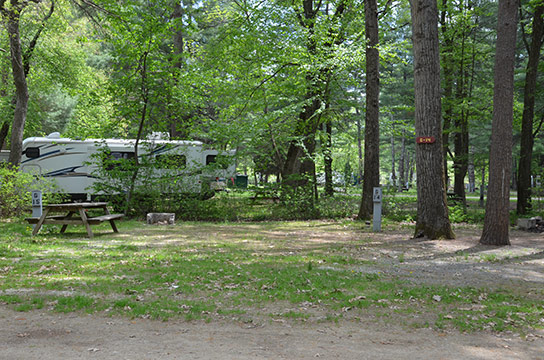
[240, 181]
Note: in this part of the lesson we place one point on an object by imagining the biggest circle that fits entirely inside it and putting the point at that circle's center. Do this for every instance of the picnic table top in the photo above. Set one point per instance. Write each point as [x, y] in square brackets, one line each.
[84, 205]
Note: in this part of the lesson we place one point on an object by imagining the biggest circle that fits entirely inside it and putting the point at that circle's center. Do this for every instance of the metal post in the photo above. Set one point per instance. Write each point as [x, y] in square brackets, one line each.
[36, 204]
[377, 213]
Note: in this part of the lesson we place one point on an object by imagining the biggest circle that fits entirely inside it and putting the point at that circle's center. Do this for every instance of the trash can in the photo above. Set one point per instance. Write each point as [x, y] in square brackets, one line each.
[240, 181]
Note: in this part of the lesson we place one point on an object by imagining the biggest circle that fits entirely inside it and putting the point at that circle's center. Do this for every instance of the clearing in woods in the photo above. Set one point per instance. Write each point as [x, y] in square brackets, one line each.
[415, 299]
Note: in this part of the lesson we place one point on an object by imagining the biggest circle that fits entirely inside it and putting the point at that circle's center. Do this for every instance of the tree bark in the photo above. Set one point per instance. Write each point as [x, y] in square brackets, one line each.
[402, 178]
[143, 116]
[411, 177]
[471, 172]
[20, 65]
[4, 133]
[327, 152]
[178, 123]
[299, 159]
[482, 188]
[460, 160]
[447, 66]
[299, 155]
[496, 222]
[527, 136]
[393, 158]
[359, 145]
[432, 209]
[372, 118]
[21, 87]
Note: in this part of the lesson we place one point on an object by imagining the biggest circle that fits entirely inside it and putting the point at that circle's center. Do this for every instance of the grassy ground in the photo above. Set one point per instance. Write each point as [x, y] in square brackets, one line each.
[266, 271]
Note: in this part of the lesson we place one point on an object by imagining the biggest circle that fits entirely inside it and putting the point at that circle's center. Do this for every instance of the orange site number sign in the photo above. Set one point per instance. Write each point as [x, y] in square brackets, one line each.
[425, 139]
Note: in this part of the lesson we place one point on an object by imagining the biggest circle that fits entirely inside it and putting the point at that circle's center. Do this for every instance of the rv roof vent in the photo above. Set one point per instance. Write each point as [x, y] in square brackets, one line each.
[54, 135]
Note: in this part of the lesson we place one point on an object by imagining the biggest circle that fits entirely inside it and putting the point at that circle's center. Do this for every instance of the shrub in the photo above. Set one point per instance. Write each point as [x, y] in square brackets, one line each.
[15, 187]
[458, 214]
[397, 208]
[298, 201]
[338, 206]
[156, 184]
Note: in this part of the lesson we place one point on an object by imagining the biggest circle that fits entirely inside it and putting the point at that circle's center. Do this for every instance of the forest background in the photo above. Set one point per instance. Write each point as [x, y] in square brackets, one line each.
[281, 82]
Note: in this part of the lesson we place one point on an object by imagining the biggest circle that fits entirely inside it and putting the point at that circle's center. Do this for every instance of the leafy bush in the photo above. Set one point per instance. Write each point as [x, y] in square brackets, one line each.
[298, 201]
[15, 187]
[155, 185]
[338, 206]
[220, 208]
[458, 214]
[399, 208]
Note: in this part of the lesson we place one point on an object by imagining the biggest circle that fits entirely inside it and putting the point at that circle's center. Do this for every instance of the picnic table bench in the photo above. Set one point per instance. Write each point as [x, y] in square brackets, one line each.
[265, 194]
[77, 215]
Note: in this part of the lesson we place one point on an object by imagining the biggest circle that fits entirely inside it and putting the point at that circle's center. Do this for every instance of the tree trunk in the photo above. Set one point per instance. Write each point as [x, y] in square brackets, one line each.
[402, 179]
[496, 222]
[393, 160]
[527, 136]
[408, 164]
[432, 209]
[277, 154]
[447, 66]
[514, 175]
[299, 155]
[482, 188]
[461, 158]
[21, 88]
[359, 146]
[471, 172]
[299, 159]
[460, 161]
[20, 65]
[411, 177]
[175, 122]
[4, 134]
[461, 154]
[327, 151]
[143, 116]
[372, 119]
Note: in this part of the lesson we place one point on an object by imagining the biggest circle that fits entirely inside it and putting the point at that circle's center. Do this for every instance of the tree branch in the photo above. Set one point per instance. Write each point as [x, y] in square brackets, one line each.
[523, 32]
[28, 53]
[535, 133]
[264, 81]
[385, 10]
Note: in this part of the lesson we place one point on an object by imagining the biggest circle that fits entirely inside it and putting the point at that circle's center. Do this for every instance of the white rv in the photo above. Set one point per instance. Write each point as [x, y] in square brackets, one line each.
[4, 155]
[188, 165]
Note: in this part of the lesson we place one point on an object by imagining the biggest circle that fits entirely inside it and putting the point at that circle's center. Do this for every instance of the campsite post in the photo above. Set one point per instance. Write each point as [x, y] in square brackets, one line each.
[36, 204]
[377, 213]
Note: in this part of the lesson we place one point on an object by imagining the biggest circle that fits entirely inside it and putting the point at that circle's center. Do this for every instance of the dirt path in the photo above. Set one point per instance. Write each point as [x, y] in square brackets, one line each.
[43, 336]
[461, 262]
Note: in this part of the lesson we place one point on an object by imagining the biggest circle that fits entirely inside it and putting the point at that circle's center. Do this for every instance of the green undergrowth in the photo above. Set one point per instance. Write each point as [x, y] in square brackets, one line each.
[299, 271]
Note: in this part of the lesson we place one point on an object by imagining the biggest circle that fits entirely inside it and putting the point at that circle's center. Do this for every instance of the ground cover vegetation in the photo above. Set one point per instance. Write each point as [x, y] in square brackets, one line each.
[260, 272]
[302, 91]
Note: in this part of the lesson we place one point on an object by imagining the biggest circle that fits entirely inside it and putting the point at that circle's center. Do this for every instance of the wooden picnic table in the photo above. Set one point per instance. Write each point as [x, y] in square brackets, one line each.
[76, 215]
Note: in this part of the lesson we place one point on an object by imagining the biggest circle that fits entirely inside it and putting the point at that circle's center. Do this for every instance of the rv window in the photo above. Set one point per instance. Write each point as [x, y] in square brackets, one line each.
[32, 152]
[118, 155]
[115, 158]
[221, 161]
[171, 161]
[210, 159]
